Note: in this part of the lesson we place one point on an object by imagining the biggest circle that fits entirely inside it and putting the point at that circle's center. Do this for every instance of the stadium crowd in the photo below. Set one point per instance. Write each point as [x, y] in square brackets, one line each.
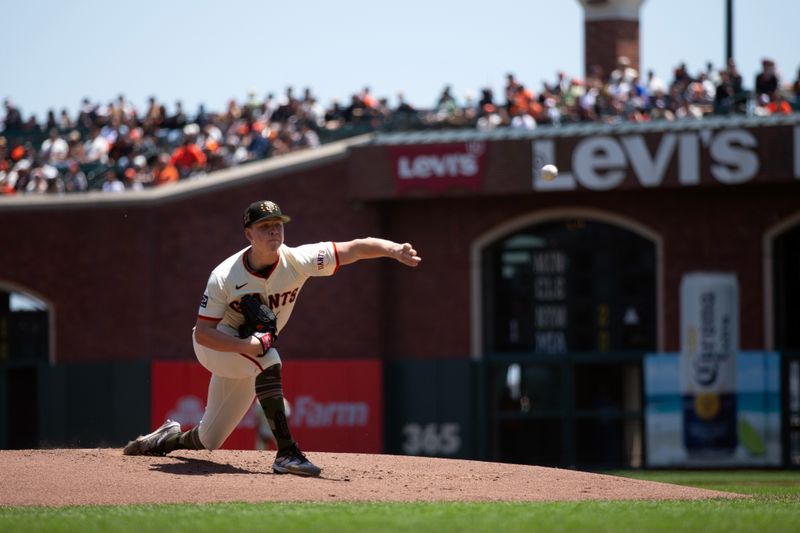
[114, 147]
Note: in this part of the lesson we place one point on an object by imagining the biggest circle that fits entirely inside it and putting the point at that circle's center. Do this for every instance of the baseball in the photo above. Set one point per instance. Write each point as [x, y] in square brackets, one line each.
[549, 172]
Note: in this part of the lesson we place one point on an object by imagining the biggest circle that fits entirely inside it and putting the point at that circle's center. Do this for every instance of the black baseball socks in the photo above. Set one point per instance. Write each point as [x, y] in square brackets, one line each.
[188, 440]
[269, 392]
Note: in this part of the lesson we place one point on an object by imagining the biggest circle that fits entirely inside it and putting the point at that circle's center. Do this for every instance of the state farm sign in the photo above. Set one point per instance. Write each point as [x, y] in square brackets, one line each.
[337, 405]
[599, 163]
[438, 167]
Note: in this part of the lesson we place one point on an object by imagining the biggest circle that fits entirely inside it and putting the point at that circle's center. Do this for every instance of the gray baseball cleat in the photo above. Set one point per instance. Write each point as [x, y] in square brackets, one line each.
[153, 443]
[292, 461]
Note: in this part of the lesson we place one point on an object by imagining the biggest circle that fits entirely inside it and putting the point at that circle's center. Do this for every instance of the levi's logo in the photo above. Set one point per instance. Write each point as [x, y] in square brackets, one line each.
[439, 167]
[428, 166]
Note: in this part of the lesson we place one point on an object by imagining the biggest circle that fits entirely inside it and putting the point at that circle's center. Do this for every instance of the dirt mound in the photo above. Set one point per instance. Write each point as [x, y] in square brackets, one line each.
[105, 476]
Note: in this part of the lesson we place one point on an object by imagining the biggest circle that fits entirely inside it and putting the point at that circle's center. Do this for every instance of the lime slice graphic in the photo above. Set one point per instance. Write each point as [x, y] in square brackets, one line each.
[750, 438]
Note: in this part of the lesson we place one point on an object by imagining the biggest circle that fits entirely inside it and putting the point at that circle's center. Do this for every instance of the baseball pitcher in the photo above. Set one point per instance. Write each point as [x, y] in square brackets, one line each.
[247, 302]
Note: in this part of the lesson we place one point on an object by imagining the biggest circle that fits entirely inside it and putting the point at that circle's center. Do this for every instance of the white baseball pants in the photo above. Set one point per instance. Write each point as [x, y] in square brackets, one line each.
[231, 390]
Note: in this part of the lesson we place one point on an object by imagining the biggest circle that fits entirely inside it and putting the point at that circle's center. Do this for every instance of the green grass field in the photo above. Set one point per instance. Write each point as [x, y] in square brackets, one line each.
[774, 507]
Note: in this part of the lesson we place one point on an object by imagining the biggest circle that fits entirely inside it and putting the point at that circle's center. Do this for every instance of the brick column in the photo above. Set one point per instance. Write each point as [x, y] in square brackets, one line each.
[611, 30]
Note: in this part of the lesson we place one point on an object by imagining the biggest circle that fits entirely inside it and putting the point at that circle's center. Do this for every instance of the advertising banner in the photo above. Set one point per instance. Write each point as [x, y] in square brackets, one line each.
[334, 406]
[709, 303]
[430, 408]
[438, 167]
[651, 156]
[756, 419]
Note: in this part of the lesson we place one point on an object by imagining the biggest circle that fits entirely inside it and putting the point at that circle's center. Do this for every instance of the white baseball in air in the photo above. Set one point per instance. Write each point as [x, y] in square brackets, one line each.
[549, 172]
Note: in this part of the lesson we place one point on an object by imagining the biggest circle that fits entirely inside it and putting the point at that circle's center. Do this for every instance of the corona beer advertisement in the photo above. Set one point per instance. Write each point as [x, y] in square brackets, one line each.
[754, 436]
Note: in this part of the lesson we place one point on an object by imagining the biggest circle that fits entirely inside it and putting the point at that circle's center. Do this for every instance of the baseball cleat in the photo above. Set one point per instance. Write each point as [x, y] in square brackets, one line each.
[292, 461]
[153, 443]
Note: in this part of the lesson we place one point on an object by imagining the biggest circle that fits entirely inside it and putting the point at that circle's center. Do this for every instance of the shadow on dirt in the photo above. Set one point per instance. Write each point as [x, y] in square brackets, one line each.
[201, 467]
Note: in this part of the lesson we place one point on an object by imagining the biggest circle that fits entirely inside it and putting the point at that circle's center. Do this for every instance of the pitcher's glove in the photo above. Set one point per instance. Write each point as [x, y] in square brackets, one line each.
[259, 321]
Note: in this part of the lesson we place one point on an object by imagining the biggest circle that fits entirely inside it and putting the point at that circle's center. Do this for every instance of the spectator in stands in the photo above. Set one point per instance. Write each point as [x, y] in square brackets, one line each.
[680, 84]
[702, 90]
[654, 83]
[74, 179]
[366, 96]
[87, 114]
[767, 81]
[778, 105]
[356, 112]
[489, 117]
[725, 94]
[286, 106]
[308, 137]
[624, 73]
[268, 107]
[511, 88]
[313, 112]
[54, 149]
[37, 184]
[19, 177]
[446, 109]
[164, 171]
[688, 110]
[588, 102]
[522, 119]
[6, 189]
[119, 137]
[712, 74]
[13, 118]
[252, 104]
[257, 144]
[178, 119]
[96, 148]
[188, 158]
[404, 113]
[64, 121]
[382, 112]
[50, 122]
[76, 148]
[112, 182]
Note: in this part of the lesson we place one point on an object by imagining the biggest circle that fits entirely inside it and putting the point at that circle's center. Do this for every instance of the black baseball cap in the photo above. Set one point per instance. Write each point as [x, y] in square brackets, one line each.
[263, 209]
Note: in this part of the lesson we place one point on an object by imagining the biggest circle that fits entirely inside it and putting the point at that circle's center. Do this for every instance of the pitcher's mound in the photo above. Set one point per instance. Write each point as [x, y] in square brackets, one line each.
[106, 477]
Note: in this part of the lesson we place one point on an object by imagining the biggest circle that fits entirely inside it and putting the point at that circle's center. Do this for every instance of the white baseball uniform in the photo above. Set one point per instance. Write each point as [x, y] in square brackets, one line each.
[232, 387]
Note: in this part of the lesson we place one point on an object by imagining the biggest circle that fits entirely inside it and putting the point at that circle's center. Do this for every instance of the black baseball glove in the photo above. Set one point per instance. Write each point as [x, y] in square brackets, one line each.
[258, 318]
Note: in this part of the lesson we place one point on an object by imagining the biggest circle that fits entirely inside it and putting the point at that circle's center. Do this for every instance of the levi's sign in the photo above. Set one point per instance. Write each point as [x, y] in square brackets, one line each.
[438, 167]
[600, 163]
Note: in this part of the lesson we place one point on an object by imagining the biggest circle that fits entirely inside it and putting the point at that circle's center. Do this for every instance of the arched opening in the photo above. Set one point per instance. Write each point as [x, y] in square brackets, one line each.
[25, 344]
[782, 305]
[24, 326]
[569, 305]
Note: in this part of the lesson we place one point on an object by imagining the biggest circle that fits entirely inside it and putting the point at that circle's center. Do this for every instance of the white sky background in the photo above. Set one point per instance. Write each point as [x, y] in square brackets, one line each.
[53, 53]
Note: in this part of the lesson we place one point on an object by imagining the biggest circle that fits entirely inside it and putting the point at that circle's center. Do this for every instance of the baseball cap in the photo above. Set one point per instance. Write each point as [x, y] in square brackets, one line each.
[263, 209]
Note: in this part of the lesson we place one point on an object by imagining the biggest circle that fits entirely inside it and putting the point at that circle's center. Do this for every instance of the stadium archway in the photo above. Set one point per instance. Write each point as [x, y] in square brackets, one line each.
[565, 304]
[26, 342]
[781, 316]
[26, 325]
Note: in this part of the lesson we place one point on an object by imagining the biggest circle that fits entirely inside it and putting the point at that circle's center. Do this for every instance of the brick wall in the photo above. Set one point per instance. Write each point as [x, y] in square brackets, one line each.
[606, 40]
[125, 281]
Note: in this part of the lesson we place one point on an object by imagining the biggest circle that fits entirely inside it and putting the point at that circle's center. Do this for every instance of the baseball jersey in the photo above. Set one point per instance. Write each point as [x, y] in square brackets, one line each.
[278, 288]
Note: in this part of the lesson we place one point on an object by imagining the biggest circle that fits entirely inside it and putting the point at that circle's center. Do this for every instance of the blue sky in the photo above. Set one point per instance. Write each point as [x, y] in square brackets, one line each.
[54, 53]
